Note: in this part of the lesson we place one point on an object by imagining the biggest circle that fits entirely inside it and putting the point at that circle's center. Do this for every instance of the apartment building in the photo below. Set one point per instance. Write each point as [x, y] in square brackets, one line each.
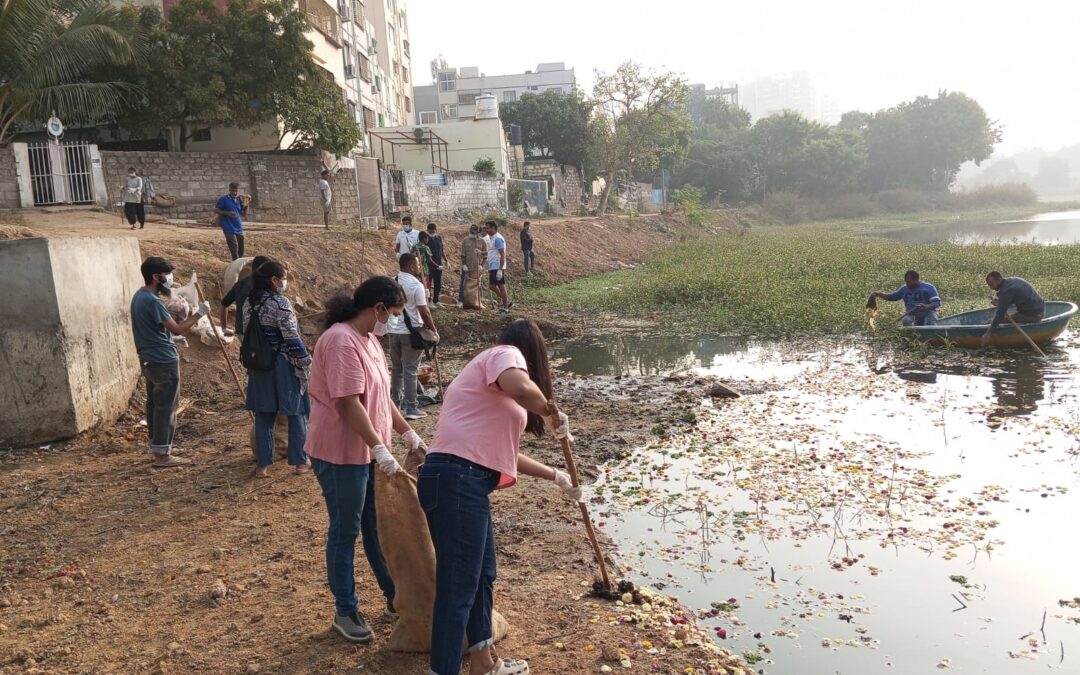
[453, 96]
[363, 45]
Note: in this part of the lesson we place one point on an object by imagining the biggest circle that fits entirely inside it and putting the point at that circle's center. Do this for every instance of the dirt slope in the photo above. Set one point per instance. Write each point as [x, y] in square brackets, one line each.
[106, 566]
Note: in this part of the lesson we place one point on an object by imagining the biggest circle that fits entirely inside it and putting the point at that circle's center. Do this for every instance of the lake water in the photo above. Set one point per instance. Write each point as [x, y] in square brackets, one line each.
[871, 510]
[1049, 228]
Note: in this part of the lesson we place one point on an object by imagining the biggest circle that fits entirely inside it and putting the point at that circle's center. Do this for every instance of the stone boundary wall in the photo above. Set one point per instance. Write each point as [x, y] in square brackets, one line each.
[464, 191]
[9, 182]
[568, 183]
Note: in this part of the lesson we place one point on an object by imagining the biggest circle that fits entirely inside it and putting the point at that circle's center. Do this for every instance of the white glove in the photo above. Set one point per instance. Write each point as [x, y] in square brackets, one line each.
[499, 275]
[464, 268]
[559, 429]
[574, 494]
[413, 441]
[204, 308]
[387, 463]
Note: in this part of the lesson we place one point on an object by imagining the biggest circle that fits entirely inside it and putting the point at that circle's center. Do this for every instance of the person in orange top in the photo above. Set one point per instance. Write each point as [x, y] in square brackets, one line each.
[349, 432]
[503, 392]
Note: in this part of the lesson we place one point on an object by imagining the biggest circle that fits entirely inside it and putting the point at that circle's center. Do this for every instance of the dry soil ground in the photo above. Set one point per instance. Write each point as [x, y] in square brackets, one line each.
[106, 566]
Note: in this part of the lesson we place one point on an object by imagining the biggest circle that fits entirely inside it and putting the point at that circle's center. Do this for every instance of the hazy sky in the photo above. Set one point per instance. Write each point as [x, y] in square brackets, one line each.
[1020, 60]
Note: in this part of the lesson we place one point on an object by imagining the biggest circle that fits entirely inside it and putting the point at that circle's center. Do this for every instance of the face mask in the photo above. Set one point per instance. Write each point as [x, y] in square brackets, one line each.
[381, 328]
[408, 228]
[168, 281]
[284, 285]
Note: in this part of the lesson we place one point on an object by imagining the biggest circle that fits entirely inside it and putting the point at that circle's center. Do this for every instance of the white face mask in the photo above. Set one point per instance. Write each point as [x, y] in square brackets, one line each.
[381, 327]
[408, 228]
[284, 285]
[168, 282]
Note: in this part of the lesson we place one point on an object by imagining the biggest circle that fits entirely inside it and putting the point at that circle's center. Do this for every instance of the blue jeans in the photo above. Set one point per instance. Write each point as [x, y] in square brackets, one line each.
[454, 494]
[920, 318]
[349, 491]
[264, 438]
[162, 397]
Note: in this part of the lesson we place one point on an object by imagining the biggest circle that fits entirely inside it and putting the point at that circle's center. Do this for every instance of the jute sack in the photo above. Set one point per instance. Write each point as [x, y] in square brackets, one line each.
[410, 556]
[472, 290]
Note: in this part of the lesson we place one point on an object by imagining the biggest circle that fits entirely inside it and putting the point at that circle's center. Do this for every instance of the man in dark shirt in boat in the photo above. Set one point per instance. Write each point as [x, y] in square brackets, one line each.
[1030, 307]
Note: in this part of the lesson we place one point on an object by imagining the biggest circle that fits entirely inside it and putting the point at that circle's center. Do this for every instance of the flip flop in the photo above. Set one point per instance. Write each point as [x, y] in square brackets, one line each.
[170, 461]
[510, 667]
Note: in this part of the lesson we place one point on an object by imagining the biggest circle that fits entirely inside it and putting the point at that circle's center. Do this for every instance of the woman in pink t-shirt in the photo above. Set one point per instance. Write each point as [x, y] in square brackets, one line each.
[503, 392]
[349, 432]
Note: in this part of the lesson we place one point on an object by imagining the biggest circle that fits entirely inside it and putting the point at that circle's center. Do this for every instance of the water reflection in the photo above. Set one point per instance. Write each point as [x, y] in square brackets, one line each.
[1048, 228]
[636, 354]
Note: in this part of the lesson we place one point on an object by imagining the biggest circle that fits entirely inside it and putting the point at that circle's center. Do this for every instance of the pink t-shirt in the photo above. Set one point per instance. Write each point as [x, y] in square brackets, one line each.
[347, 364]
[478, 421]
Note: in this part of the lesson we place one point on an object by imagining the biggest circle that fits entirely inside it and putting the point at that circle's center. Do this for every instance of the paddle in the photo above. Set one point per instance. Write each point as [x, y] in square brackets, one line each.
[1026, 336]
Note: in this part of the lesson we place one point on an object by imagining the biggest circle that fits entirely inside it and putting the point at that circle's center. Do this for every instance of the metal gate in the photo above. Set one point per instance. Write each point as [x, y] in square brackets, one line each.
[60, 173]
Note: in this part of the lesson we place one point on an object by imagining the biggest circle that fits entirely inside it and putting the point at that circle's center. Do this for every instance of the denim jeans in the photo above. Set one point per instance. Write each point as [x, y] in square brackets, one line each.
[264, 438]
[405, 361]
[349, 491]
[529, 259]
[436, 284]
[162, 397]
[454, 495]
[920, 319]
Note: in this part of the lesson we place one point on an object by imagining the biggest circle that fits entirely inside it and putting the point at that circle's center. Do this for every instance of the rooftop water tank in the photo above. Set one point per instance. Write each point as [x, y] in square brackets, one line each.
[487, 107]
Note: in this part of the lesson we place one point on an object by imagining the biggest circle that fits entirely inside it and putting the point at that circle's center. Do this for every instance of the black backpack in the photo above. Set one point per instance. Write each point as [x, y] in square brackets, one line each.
[256, 352]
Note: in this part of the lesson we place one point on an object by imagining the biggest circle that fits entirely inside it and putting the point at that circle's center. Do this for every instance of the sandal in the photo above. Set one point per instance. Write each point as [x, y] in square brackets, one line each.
[510, 667]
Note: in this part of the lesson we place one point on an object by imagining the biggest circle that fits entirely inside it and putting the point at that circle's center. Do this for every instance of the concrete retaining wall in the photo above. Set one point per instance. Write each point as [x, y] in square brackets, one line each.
[464, 191]
[564, 181]
[67, 359]
[9, 183]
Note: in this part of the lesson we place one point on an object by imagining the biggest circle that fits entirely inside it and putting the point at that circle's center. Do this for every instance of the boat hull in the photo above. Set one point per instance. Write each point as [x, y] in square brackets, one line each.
[966, 329]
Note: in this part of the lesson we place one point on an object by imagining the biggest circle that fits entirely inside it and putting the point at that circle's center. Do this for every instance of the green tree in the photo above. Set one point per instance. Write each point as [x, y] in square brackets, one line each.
[313, 110]
[921, 144]
[718, 160]
[831, 164]
[639, 122]
[553, 124]
[778, 145]
[221, 68]
[51, 55]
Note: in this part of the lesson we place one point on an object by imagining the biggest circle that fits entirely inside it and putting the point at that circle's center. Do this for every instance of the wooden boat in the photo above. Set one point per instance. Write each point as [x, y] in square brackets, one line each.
[966, 329]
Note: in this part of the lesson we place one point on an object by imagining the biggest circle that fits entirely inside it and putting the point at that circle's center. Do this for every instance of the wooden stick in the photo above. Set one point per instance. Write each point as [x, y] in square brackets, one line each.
[224, 353]
[902, 316]
[571, 468]
[1026, 336]
[438, 372]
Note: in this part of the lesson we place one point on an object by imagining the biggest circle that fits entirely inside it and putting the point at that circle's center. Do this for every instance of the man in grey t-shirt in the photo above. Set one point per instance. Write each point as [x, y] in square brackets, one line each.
[1030, 307]
[151, 325]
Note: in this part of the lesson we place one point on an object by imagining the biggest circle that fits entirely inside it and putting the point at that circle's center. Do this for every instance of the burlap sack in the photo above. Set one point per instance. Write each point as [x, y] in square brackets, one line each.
[410, 555]
[471, 299]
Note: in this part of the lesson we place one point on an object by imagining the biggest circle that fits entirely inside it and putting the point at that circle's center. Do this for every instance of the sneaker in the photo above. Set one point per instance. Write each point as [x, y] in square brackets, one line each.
[436, 305]
[504, 310]
[414, 414]
[389, 611]
[353, 628]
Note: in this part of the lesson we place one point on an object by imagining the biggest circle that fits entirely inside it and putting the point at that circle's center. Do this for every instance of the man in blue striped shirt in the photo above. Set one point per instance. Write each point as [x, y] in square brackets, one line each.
[921, 300]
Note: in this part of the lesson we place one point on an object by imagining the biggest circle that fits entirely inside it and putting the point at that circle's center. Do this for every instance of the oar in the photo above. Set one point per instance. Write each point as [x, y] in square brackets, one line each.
[224, 353]
[1026, 336]
[571, 468]
[905, 314]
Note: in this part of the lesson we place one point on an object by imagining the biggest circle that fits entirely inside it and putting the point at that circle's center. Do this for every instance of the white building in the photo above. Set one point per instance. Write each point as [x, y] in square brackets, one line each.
[453, 96]
[772, 95]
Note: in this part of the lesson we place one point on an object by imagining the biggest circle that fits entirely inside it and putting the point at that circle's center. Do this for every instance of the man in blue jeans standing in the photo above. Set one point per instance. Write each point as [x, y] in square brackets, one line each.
[151, 325]
[230, 212]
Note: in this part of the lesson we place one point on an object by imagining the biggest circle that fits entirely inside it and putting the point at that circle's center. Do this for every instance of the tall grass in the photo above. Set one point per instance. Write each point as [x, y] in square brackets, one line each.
[810, 279]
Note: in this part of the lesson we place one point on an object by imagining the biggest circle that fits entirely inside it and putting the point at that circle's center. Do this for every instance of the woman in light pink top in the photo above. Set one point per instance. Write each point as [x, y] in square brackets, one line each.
[348, 434]
[503, 392]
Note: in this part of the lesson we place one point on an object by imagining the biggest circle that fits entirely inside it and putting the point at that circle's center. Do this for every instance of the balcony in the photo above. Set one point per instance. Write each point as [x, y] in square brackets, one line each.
[323, 18]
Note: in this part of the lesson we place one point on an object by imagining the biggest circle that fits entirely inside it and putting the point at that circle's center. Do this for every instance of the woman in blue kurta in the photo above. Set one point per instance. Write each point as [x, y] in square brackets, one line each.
[282, 390]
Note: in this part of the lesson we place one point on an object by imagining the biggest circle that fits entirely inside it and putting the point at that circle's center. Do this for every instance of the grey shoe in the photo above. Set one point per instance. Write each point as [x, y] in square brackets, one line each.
[353, 628]
[389, 611]
[414, 414]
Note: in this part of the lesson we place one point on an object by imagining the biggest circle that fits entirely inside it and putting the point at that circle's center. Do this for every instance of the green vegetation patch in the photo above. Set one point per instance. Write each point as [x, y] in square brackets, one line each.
[810, 279]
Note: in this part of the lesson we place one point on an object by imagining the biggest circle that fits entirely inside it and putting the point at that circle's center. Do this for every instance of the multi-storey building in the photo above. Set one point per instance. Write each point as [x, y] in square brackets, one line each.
[772, 95]
[453, 96]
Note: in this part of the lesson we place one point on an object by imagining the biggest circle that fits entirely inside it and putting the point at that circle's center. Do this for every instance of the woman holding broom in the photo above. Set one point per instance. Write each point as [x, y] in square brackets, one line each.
[503, 392]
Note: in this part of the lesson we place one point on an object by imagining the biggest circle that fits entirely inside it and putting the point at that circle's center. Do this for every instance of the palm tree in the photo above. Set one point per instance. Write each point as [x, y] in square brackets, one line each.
[50, 53]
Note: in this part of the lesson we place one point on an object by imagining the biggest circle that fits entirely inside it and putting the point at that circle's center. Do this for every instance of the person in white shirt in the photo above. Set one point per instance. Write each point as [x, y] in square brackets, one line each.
[404, 358]
[406, 239]
[327, 196]
[497, 265]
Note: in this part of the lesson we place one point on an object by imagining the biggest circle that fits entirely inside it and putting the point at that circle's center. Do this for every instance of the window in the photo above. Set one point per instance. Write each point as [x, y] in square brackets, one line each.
[343, 9]
[405, 43]
[374, 49]
[391, 36]
[408, 104]
[448, 82]
[369, 118]
[346, 58]
[533, 87]
[449, 112]
[404, 74]
[358, 13]
[352, 110]
[382, 120]
[365, 68]
[202, 134]
[378, 83]
[467, 98]
[429, 117]
[509, 96]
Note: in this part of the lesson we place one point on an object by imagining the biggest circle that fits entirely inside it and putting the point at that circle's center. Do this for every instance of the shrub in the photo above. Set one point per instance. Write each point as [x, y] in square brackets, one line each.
[485, 165]
[515, 196]
[688, 201]
[848, 206]
[791, 207]
[1002, 194]
[903, 201]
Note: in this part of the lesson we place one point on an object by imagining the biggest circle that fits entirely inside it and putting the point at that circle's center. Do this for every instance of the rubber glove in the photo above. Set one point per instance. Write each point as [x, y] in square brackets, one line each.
[204, 308]
[574, 494]
[413, 441]
[499, 276]
[386, 461]
[559, 429]
[464, 268]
